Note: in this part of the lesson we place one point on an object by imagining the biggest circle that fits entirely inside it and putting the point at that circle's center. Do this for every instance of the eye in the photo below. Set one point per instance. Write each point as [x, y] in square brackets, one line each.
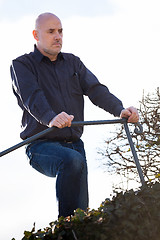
[60, 31]
[51, 30]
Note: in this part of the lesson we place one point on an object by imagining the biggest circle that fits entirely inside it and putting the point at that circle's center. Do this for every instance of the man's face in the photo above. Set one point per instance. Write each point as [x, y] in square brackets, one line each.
[49, 37]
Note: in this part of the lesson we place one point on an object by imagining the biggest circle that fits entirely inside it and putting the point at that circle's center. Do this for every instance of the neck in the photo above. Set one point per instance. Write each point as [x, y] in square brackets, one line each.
[46, 53]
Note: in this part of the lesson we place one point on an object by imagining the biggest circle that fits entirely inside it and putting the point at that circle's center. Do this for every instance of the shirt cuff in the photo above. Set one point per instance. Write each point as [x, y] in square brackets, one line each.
[117, 110]
[47, 117]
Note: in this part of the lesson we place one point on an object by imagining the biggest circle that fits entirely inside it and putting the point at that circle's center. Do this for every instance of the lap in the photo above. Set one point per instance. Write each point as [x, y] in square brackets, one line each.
[47, 156]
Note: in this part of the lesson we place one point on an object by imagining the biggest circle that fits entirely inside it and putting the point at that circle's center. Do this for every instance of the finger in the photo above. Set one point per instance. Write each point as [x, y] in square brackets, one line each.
[61, 120]
[71, 117]
[65, 120]
[125, 113]
[133, 119]
[57, 122]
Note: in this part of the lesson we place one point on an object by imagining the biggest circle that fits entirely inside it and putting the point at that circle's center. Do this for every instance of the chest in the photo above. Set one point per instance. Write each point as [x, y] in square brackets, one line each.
[61, 78]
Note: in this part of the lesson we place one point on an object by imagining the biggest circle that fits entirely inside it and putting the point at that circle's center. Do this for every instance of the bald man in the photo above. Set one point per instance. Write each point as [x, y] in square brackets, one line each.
[50, 86]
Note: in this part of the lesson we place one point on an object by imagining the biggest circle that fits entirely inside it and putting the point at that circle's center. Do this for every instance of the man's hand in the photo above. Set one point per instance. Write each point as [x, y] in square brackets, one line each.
[131, 113]
[61, 120]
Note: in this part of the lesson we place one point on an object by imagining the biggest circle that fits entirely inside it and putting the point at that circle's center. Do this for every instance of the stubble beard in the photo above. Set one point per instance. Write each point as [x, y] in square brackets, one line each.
[51, 53]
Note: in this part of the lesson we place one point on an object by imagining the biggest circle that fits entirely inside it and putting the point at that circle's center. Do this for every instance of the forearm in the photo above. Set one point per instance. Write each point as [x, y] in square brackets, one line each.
[101, 97]
[98, 93]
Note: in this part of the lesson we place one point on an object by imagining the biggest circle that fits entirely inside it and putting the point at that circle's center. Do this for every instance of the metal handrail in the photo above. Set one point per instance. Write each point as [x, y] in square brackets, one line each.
[138, 130]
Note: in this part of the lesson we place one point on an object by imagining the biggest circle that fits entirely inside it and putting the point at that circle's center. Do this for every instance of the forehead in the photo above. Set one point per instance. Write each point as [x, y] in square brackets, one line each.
[51, 22]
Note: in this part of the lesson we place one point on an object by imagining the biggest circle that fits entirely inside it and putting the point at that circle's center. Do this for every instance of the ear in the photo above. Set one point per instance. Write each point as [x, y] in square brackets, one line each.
[35, 35]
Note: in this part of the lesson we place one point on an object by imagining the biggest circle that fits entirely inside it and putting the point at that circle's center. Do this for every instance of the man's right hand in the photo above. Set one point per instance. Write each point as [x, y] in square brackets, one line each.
[61, 120]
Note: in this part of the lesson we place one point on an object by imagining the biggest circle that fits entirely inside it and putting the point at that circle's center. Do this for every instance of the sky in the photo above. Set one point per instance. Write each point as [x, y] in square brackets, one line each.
[119, 41]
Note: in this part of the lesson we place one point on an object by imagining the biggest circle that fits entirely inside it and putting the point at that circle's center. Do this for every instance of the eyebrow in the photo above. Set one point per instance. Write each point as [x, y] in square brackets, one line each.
[52, 29]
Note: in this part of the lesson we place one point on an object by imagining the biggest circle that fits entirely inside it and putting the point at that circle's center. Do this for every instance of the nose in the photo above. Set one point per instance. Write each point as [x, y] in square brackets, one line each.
[57, 36]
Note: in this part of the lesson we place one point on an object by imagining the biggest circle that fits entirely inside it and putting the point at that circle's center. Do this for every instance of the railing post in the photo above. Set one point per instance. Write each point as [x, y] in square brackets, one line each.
[139, 169]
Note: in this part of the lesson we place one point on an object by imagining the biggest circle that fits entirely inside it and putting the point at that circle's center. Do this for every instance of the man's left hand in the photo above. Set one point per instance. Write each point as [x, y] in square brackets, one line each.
[131, 113]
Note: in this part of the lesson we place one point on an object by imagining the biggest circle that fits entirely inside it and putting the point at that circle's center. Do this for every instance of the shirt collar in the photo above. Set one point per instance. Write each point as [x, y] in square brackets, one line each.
[39, 56]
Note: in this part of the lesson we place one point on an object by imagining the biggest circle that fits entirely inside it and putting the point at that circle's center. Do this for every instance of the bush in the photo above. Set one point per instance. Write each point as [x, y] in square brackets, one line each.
[128, 216]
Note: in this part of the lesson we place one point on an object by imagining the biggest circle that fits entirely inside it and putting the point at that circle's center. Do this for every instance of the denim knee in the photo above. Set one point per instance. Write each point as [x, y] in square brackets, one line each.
[75, 162]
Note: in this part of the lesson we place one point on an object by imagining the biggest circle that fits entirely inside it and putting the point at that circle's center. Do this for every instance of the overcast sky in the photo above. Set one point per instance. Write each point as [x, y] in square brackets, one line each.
[119, 41]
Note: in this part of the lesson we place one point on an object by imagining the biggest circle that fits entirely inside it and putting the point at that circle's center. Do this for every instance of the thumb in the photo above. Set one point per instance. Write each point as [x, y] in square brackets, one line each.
[128, 112]
[72, 117]
[125, 113]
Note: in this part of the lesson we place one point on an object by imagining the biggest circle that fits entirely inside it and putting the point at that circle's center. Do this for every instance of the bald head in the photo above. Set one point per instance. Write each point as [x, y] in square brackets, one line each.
[43, 18]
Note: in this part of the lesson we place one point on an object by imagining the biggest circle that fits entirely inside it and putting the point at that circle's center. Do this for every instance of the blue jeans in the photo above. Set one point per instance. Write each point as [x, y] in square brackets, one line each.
[67, 161]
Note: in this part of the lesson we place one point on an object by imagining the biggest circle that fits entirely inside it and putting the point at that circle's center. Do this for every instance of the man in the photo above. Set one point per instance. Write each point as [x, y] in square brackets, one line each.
[49, 86]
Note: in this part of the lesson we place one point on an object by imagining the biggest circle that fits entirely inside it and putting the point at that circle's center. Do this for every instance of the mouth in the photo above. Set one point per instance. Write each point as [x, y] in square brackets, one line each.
[57, 44]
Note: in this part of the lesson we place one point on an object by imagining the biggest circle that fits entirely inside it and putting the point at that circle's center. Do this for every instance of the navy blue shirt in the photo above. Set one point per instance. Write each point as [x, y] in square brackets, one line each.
[44, 89]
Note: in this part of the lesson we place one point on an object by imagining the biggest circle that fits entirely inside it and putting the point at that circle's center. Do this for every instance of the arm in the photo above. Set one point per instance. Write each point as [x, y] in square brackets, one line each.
[30, 96]
[102, 97]
[98, 93]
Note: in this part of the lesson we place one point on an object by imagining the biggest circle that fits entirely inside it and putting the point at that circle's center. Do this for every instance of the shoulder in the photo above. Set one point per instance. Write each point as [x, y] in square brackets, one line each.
[23, 62]
[25, 58]
[70, 56]
[73, 60]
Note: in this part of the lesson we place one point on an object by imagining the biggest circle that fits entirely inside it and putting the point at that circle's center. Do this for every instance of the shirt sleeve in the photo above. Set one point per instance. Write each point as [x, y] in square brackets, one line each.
[98, 93]
[30, 96]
